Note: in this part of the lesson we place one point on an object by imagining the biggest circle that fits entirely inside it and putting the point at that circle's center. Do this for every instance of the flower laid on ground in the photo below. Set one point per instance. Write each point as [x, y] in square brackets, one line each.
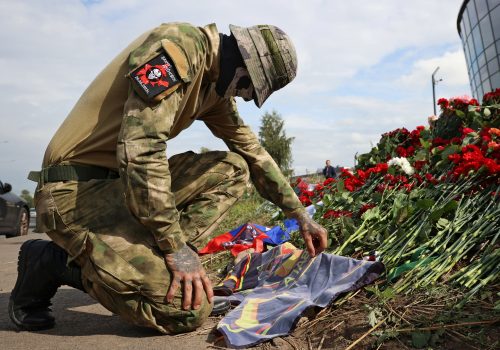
[429, 198]
[336, 213]
[403, 164]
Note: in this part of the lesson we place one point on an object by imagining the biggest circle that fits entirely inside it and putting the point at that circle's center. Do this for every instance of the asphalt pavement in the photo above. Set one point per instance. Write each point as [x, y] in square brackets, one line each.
[81, 323]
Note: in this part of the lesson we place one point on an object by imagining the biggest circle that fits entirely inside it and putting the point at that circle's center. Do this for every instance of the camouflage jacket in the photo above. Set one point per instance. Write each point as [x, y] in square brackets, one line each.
[112, 126]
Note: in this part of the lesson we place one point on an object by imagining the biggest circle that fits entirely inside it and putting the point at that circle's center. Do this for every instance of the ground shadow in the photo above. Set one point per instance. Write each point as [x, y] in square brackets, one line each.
[79, 315]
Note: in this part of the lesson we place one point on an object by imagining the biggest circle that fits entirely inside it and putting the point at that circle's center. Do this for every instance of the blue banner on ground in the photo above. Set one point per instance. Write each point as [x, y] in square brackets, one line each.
[274, 288]
[250, 235]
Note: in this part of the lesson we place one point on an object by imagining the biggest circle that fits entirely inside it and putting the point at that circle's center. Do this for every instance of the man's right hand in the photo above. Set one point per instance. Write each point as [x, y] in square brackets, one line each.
[188, 272]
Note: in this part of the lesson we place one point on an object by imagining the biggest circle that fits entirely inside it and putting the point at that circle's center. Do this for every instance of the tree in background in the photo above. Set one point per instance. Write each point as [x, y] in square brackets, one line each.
[204, 149]
[26, 196]
[272, 137]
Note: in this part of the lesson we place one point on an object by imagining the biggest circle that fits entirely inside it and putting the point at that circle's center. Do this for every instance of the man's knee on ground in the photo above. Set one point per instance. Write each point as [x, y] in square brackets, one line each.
[185, 321]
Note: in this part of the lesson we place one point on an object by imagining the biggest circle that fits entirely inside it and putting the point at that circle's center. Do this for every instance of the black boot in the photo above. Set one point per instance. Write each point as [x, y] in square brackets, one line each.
[42, 268]
[221, 306]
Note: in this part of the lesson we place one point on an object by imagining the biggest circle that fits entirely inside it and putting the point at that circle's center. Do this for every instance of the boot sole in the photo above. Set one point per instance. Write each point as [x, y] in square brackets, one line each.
[21, 268]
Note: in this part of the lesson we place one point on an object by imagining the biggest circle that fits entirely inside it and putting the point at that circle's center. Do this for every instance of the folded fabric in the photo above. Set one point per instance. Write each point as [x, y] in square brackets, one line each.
[250, 235]
[275, 287]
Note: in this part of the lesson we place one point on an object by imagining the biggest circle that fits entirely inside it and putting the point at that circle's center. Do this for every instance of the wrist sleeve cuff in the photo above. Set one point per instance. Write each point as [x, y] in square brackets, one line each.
[171, 241]
[295, 213]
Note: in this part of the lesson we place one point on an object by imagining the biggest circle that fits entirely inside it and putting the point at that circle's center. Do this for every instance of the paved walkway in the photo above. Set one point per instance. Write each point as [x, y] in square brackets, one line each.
[81, 322]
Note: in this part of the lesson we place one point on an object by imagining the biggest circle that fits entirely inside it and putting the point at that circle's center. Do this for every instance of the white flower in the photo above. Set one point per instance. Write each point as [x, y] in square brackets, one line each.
[403, 164]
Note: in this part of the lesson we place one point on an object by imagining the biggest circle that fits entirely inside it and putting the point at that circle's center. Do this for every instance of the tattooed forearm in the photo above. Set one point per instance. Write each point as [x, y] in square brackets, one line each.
[305, 222]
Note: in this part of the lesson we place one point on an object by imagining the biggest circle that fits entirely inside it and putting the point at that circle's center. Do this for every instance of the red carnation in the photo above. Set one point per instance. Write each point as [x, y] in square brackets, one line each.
[431, 179]
[328, 181]
[332, 214]
[365, 207]
[419, 164]
[443, 103]
[455, 158]
[466, 131]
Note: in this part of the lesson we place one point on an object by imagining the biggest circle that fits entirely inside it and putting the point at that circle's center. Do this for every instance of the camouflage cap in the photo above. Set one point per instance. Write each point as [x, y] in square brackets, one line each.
[269, 56]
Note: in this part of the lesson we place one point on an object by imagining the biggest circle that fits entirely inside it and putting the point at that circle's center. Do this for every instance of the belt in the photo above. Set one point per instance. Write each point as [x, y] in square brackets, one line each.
[72, 173]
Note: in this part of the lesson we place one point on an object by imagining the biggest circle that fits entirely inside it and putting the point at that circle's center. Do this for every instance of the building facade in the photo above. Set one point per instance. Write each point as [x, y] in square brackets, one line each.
[479, 28]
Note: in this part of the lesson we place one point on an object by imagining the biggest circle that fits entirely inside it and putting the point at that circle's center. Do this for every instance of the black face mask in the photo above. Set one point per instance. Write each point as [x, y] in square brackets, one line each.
[234, 79]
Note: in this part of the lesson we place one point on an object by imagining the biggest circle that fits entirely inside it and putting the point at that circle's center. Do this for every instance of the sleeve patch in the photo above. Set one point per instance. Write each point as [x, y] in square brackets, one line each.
[155, 77]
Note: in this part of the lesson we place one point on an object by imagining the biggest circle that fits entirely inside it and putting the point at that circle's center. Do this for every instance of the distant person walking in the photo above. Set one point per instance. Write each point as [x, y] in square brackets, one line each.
[329, 171]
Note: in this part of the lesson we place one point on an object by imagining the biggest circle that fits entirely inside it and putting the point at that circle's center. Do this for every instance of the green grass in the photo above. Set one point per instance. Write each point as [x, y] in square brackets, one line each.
[246, 209]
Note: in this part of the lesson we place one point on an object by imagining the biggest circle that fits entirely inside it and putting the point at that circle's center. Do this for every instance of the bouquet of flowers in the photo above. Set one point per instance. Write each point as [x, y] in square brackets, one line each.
[427, 200]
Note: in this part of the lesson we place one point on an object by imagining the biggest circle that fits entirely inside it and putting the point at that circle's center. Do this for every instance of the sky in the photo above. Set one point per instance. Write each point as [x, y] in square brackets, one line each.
[364, 68]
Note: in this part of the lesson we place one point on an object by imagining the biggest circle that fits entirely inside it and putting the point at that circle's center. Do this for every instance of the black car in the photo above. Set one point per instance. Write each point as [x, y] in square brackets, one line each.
[14, 213]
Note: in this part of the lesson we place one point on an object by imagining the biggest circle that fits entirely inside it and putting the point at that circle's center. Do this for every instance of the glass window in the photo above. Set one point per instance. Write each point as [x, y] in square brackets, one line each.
[467, 63]
[466, 23]
[493, 66]
[472, 14]
[481, 8]
[495, 22]
[463, 43]
[495, 81]
[483, 72]
[490, 52]
[481, 60]
[478, 43]
[470, 45]
[486, 32]
[477, 79]
[462, 29]
[469, 54]
[486, 86]
[464, 38]
[475, 68]
[493, 3]
[480, 92]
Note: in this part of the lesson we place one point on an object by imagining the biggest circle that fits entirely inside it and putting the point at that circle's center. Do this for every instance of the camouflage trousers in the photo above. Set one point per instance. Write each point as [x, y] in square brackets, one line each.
[121, 265]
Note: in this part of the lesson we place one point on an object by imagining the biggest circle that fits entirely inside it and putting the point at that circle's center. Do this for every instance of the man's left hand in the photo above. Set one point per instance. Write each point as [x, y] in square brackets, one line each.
[314, 234]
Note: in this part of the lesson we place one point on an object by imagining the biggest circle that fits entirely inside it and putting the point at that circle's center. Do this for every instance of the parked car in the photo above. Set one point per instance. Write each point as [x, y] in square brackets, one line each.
[14, 213]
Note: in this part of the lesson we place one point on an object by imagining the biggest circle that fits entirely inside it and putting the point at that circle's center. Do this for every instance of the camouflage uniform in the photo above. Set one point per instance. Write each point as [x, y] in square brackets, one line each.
[117, 230]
